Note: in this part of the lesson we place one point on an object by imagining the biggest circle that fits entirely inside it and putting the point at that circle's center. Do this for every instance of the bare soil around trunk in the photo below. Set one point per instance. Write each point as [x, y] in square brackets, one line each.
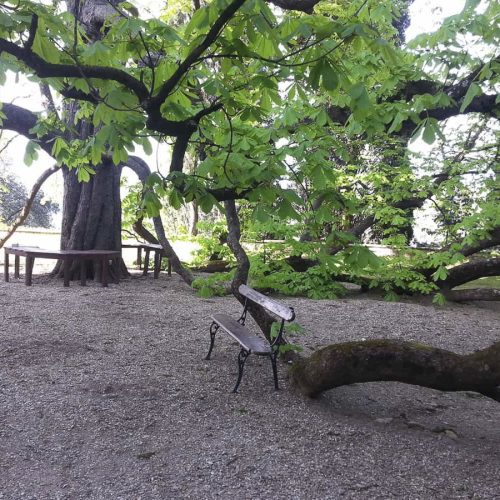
[105, 394]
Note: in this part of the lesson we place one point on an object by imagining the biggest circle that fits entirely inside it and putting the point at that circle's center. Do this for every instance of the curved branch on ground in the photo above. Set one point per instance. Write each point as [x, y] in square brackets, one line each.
[398, 361]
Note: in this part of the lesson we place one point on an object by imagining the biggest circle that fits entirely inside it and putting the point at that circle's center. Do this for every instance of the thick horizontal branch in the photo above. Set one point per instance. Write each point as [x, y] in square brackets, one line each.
[45, 69]
[22, 120]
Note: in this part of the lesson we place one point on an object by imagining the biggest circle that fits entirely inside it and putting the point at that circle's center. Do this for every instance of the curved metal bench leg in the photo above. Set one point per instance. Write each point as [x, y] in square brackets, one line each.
[213, 330]
[242, 357]
[273, 357]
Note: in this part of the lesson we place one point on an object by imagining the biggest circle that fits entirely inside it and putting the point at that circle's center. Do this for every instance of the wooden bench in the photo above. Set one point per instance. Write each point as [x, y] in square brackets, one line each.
[250, 342]
[158, 255]
[103, 257]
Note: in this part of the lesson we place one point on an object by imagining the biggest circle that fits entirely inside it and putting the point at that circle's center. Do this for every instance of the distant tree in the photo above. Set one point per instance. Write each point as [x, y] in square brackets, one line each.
[13, 196]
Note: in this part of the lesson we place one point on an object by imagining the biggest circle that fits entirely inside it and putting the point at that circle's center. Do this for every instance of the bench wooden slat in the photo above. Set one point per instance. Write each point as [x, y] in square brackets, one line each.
[247, 339]
[274, 306]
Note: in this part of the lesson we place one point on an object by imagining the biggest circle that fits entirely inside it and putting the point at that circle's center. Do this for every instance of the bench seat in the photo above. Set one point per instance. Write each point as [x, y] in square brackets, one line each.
[247, 339]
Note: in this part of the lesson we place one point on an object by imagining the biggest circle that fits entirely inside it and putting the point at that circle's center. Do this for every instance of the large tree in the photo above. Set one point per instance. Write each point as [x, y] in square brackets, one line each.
[235, 79]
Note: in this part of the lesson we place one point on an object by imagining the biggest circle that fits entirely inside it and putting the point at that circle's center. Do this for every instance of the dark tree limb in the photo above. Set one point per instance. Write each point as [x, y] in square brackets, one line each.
[306, 6]
[233, 242]
[25, 211]
[259, 314]
[143, 232]
[48, 99]
[21, 120]
[212, 35]
[45, 69]
[397, 361]
[491, 241]
[141, 168]
[177, 266]
[467, 295]
[469, 271]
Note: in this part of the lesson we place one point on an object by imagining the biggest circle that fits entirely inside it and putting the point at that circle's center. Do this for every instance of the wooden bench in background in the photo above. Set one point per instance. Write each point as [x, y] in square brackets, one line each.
[158, 256]
[250, 342]
[103, 257]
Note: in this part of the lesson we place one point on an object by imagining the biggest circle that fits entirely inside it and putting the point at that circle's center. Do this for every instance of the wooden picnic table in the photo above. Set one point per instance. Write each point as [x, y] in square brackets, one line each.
[103, 257]
[158, 255]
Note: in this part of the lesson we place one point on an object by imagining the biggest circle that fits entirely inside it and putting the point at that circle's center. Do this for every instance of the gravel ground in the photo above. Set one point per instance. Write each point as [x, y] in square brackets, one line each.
[105, 394]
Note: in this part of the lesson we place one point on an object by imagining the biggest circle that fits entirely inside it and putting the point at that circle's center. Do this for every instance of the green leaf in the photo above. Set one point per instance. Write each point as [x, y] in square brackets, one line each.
[175, 199]
[473, 91]
[330, 78]
[83, 175]
[429, 133]
[315, 75]
[31, 153]
[441, 273]
[206, 202]
[439, 299]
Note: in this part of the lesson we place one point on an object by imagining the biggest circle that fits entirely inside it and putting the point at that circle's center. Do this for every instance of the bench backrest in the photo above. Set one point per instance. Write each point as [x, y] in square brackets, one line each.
[284, 312]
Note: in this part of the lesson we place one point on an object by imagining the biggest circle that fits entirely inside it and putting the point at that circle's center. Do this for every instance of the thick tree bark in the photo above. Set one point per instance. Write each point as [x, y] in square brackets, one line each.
[397, 361]
[91, 213]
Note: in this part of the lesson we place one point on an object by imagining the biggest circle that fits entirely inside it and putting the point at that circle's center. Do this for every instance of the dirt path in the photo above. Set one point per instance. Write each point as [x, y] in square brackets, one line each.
[105, 394]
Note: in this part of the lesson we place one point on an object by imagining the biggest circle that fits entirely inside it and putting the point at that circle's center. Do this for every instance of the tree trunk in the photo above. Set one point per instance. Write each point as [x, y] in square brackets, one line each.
[397, 361]
[258, 313]
[193, 230]
[92, 213]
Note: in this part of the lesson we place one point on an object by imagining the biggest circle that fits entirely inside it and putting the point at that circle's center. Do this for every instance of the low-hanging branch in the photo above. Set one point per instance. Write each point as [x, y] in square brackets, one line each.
[142, 170]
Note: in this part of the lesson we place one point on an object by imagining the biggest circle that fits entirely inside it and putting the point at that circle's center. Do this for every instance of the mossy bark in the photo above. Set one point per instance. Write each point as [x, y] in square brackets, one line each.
[397, 361]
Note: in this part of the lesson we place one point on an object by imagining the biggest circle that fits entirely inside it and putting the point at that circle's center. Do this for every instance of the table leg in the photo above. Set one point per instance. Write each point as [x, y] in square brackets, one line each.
[6, 267]
[146, 262]
[83, 272]
[67, 270]
[169, 267]
[28, 275]
[139, 257]
[104, 272]
[118, 265]
[157, 266]
[16, 266]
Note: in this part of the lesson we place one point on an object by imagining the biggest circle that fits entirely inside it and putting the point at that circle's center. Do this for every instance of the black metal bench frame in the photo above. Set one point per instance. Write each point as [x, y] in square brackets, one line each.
[249, 342]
